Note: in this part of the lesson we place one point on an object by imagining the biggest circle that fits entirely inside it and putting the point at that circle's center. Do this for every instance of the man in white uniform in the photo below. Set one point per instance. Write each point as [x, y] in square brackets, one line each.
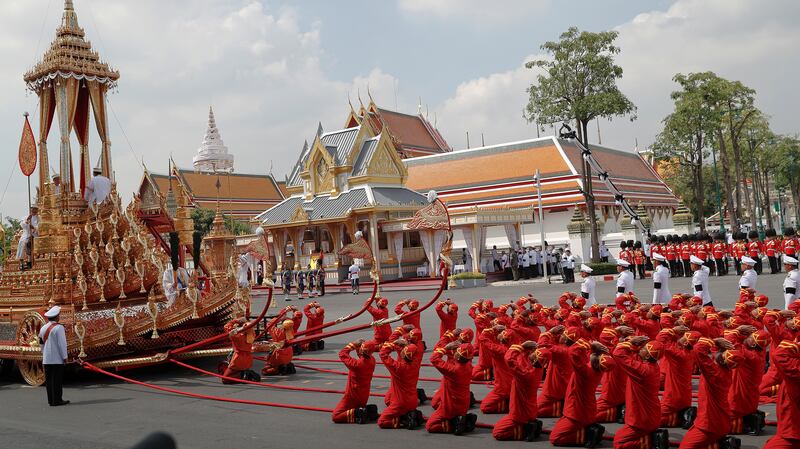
[98, 189]
[791, 284]
[30, 229]
[604, 252]
[588, 285]
[749, 278]
[525, 262]
[54, 356]
[568, 265]
[625, 278]
[661, 293]
[700, 279]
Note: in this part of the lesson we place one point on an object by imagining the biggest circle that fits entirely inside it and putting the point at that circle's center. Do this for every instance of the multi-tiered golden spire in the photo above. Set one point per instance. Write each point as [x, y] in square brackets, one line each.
[69, 79]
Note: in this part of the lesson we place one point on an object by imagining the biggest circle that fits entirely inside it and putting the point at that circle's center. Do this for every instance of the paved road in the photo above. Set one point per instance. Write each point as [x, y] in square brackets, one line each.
[106, 413]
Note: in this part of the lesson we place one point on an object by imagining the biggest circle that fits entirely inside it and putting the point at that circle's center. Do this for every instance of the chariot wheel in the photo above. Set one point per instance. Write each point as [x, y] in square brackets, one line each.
[28, 335]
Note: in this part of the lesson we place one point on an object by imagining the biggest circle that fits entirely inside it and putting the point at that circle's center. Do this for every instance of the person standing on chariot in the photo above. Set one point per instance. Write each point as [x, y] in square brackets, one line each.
[30, 229]
[98, 188]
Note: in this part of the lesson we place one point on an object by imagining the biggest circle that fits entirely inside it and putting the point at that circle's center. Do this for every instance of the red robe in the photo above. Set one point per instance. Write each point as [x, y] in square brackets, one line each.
[787, 357]
[522, 405]
[359, 378]
[497, 399]
[580, 405]
[380, 333]
[314, 319]
[713, 410]
[483, 370]
[282, 356]
[242, 356]
[403, 388]
[642, 409]
[448, 319]
[455, 396]
[679, 363]
[744, 393]
[412, 320]
[551, 399]
[613, 383]
[445, 340]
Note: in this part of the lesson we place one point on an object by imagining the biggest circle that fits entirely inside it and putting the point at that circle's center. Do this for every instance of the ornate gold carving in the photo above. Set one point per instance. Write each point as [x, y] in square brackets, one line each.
[382, 164]
[300, 214]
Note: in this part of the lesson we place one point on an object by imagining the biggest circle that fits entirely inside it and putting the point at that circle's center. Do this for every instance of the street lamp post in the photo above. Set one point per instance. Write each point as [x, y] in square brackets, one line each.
[538, 179]
[716, 186]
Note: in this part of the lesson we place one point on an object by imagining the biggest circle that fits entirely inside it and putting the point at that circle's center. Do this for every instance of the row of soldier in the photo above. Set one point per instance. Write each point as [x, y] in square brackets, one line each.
[717, 251]
[549, 362]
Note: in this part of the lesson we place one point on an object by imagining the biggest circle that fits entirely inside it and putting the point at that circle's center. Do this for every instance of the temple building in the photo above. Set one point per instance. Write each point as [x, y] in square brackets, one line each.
[353, 179]
[241, 196]
[491, 195]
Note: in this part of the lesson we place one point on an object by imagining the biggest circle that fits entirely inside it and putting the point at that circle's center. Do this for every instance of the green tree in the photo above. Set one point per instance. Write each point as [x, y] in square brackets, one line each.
[9, 230]
[787, 174]
[204, 218]
[687, 133]
[579, 84]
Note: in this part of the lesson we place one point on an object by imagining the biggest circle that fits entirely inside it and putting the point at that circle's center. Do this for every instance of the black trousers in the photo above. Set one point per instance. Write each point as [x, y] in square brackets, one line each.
[54, 379]
[569, 275]
[641, 271]
[721, 268]
[773, 265]
[322, 288]
[758, 266]
[686, 268]
[497, 266]
[738, 264]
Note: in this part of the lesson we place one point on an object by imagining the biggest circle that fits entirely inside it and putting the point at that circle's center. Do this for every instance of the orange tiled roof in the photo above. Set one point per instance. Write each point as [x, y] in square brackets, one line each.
[501, 176]
[413, 132]
[239, 194]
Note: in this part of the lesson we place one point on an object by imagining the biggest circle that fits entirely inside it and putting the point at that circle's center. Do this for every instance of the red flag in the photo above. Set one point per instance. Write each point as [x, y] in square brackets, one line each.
[27, 149]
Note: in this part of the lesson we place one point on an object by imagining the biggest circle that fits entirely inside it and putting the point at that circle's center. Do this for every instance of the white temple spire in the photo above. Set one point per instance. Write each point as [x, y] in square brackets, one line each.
[212, 155]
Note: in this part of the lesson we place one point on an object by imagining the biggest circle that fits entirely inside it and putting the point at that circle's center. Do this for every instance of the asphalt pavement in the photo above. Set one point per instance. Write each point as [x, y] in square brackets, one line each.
[107, 413]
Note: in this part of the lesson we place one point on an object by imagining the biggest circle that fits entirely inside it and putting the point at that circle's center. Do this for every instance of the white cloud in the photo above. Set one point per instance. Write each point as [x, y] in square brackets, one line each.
[747, 41]
[259, 67]
[473, 10]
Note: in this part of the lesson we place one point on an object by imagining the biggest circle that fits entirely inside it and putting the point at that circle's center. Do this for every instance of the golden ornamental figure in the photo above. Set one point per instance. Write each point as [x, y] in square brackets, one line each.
[139, 267]
[119, 320]
[120, 272]
[80, 331]
[152, 310]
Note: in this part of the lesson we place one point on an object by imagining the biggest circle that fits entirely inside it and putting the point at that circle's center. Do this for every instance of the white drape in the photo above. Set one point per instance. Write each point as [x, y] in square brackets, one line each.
[425, 238]
[471, 250]
[397, 239]
[438, 241]
[511, 235]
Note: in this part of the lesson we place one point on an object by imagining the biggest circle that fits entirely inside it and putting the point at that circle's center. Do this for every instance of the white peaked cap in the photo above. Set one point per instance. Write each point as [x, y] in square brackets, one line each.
[53, 312]
[748, 261]
[586, 269]
[623, 263]
[789, 260]
[658, 257]
[696, 260]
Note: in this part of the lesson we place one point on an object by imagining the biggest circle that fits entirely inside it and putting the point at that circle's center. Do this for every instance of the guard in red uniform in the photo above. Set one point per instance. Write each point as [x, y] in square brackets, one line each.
[496, 341]
[744, 393]
[381, 332]
[280, 359]
[755, 249]
[413, 305]
[242, 341]
[551, 400]
[577, 427]
[789, 244]
[448, 316]
[451, 416]
[685, 253]
[787, 357]
[526, 362]
[639, 359]
[353, 407]
[772, 248]
[315, 317]
[672, 257]
[678, 358]
[713, 411]
[719, 249]
[402, 411]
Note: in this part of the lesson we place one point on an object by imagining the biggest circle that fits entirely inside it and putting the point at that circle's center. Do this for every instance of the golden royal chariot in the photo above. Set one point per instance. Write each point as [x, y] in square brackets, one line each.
[104, 264]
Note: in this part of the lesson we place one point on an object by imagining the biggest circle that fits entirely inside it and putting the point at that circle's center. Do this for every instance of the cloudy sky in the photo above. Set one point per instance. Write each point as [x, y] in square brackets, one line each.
[273, 69]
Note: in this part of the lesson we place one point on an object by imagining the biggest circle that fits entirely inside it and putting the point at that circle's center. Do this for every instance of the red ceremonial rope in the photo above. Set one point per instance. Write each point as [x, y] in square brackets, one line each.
[347, 318]
[224, 335]
[91, 367]
[264, 384]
